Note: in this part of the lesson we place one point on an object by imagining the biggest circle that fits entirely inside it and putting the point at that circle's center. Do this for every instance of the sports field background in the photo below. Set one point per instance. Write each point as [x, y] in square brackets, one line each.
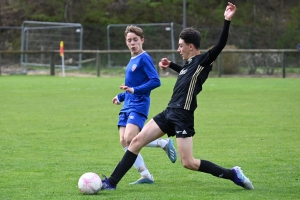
[54, 129]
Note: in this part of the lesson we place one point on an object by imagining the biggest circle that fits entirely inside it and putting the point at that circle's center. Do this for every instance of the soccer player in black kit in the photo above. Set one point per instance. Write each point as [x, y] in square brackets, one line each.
[178, 118]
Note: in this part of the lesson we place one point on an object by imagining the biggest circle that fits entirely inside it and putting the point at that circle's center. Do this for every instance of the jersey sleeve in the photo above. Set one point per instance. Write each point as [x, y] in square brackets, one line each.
[153, 78]
[175, 67]
[121, 97]
[213, 53]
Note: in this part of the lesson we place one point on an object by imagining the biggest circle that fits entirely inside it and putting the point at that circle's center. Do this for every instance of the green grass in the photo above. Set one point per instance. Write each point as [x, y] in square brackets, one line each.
[54, 129]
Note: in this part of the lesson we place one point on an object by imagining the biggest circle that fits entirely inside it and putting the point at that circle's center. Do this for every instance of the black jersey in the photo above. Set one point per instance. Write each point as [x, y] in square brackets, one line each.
[194, 73]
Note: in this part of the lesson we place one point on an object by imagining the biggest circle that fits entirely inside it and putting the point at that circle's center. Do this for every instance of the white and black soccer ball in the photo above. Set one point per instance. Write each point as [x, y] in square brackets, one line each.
[89, 183]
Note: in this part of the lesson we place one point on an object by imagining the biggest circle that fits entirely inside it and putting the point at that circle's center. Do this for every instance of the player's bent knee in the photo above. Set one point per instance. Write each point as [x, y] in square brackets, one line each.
[136, 144]
[188, 164]
[127, 142]
[128, 138]
[134, 141]
[123, 142]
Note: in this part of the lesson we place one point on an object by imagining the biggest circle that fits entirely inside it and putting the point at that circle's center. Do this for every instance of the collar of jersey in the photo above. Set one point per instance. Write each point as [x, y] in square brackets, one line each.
[137, 55]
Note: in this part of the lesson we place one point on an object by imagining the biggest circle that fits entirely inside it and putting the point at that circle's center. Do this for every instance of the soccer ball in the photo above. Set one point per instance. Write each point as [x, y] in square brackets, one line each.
[89, 183]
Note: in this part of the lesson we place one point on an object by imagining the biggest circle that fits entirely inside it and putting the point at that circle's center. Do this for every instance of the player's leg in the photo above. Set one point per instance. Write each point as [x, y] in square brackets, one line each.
[127, 131]
[158, 143]
[184, 127]
[130, 132]
[150, 132]
[167, 145]
[185, 148]
[139, 120]
[121, 126]
[134, 123]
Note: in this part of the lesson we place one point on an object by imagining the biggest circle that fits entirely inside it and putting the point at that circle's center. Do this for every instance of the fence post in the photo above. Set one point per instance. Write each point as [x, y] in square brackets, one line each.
[52, 66]
[220, 65]
[98, 64]
[283, 66]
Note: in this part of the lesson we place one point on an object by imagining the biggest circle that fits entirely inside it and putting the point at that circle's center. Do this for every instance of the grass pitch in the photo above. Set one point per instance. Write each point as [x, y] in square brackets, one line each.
[54, 129]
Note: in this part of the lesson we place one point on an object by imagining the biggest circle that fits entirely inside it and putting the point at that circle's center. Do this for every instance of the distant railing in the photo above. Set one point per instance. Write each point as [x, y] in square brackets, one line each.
[251, 58]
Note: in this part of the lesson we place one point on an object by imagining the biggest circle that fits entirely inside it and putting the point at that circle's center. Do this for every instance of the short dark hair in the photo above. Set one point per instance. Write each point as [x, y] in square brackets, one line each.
[191, 36]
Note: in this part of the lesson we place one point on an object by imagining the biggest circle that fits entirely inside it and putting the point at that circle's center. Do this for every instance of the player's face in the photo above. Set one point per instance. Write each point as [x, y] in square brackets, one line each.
[134, 43]
[183, 49]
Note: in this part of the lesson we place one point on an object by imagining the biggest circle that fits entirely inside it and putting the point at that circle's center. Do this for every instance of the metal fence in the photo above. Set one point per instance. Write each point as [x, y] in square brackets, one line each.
[231, 62]
[158, 37]
[40, 36]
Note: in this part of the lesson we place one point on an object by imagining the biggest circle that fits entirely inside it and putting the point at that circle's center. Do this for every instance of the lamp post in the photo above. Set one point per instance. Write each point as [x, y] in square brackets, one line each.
[184, 15]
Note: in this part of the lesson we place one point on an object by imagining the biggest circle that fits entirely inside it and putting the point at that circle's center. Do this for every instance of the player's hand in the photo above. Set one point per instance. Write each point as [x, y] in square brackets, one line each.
[229, 11]
[164, 63]
[126, 88]
[115, 101]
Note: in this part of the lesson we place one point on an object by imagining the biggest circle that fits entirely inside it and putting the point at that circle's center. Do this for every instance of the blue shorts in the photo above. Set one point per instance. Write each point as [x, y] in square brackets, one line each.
[132, 118]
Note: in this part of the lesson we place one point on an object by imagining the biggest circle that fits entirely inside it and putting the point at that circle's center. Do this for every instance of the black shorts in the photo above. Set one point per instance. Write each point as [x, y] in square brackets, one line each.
[176, 122]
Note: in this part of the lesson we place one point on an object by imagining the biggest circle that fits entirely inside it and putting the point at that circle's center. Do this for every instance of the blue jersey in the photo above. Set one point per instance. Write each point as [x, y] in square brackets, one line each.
[142, 76]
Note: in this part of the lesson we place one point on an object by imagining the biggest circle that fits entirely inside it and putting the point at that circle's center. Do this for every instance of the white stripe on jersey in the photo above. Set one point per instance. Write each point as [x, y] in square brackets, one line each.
[189, 97]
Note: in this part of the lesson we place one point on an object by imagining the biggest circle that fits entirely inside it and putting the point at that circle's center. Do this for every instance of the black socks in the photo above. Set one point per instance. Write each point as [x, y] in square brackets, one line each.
[124, 165]
[215, 170]
[129, 158]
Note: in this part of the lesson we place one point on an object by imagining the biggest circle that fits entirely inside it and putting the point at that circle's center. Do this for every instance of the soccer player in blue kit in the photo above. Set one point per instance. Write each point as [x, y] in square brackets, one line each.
[178, 118]
[140, 78]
